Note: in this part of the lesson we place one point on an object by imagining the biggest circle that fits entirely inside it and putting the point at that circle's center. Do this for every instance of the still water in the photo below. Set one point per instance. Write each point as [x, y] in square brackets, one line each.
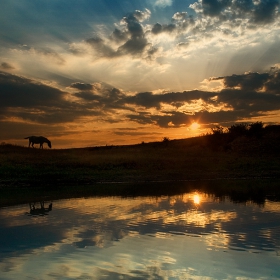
[188, 236]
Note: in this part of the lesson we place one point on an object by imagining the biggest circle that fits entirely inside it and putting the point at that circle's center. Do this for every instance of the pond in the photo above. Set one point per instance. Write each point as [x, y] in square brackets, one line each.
[192, 235]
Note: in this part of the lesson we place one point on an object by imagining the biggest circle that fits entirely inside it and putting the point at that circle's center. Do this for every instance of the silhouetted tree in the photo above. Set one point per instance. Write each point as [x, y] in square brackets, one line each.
[256, 129]
[237, 130]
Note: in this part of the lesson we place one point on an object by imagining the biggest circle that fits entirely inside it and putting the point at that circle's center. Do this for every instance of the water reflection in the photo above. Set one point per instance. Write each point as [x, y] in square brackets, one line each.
[187, 236]
[41, 211]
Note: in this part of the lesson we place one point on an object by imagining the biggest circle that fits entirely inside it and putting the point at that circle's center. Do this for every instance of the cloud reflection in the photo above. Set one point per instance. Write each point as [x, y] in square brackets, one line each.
[137, 238]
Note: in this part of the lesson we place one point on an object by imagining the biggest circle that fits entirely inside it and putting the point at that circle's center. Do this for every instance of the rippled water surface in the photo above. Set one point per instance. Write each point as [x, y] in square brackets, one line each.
[189, 236]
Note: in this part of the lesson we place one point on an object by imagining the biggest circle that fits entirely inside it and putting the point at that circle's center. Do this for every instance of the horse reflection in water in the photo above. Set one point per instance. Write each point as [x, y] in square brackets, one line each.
[41, 211]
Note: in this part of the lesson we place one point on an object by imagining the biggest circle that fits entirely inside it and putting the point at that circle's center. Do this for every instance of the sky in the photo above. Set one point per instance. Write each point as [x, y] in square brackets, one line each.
[116, 72]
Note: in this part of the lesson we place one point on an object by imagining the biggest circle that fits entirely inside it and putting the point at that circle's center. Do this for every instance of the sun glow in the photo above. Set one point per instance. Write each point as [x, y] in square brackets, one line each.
[195, 126]
[196, 199]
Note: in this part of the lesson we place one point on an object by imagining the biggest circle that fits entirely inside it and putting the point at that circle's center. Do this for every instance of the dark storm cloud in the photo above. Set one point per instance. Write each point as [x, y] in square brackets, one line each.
[243, 5]
[159, 28]
[81, 86]
[103, 98]
[33, 101]
[134, 46]
[133, 26]
[137, 41]
[243, 97]
[150, 100]
[131, 40]
[214, 7]
[22, 92]
[265, 11]
[119, 36]
[253, 81]
[180, 23]
[250, 81]
[273, 84]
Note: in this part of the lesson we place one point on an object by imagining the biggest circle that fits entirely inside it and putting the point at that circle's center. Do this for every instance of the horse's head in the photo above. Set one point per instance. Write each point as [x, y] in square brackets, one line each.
[49, 144]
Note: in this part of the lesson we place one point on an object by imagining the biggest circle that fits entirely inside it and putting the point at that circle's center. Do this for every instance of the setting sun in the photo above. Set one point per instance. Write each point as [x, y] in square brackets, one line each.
[196, 199]
[195, 126]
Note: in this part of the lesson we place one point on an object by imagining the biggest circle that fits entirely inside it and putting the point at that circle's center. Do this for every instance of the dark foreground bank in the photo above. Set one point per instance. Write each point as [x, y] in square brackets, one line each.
[239, 190]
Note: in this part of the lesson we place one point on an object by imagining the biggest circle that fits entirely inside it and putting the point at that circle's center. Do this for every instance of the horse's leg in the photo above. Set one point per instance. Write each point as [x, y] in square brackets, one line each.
[32, 144]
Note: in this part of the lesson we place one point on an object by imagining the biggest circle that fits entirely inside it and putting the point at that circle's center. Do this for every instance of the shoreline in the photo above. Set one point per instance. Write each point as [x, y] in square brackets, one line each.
[239, 190]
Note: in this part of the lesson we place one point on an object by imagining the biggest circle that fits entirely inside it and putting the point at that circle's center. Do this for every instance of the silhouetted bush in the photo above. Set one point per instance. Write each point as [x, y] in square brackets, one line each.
[237, 130]
[272, 129]
[165, 139]
[219, 130]
[256, 129]
[218, 139]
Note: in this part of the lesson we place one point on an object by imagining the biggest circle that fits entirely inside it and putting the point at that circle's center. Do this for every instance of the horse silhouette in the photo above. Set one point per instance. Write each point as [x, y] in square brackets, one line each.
[38, 140]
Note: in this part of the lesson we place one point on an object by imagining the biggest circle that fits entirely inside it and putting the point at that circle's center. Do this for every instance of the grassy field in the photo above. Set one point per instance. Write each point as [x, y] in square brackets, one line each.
[209, 157]
[188, 159]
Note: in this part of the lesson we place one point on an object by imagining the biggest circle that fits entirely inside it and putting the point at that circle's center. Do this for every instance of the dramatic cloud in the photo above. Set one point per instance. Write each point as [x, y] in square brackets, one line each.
[227, 17]
[130, 40]
[206, 19]
[22, 92]
[214, 7]
[82, 86]
[265, 11]
[137, 42]
[253, 81]
[158, 28]
[244, 96]
[258, 12]
[27, 100]
[176, 99]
